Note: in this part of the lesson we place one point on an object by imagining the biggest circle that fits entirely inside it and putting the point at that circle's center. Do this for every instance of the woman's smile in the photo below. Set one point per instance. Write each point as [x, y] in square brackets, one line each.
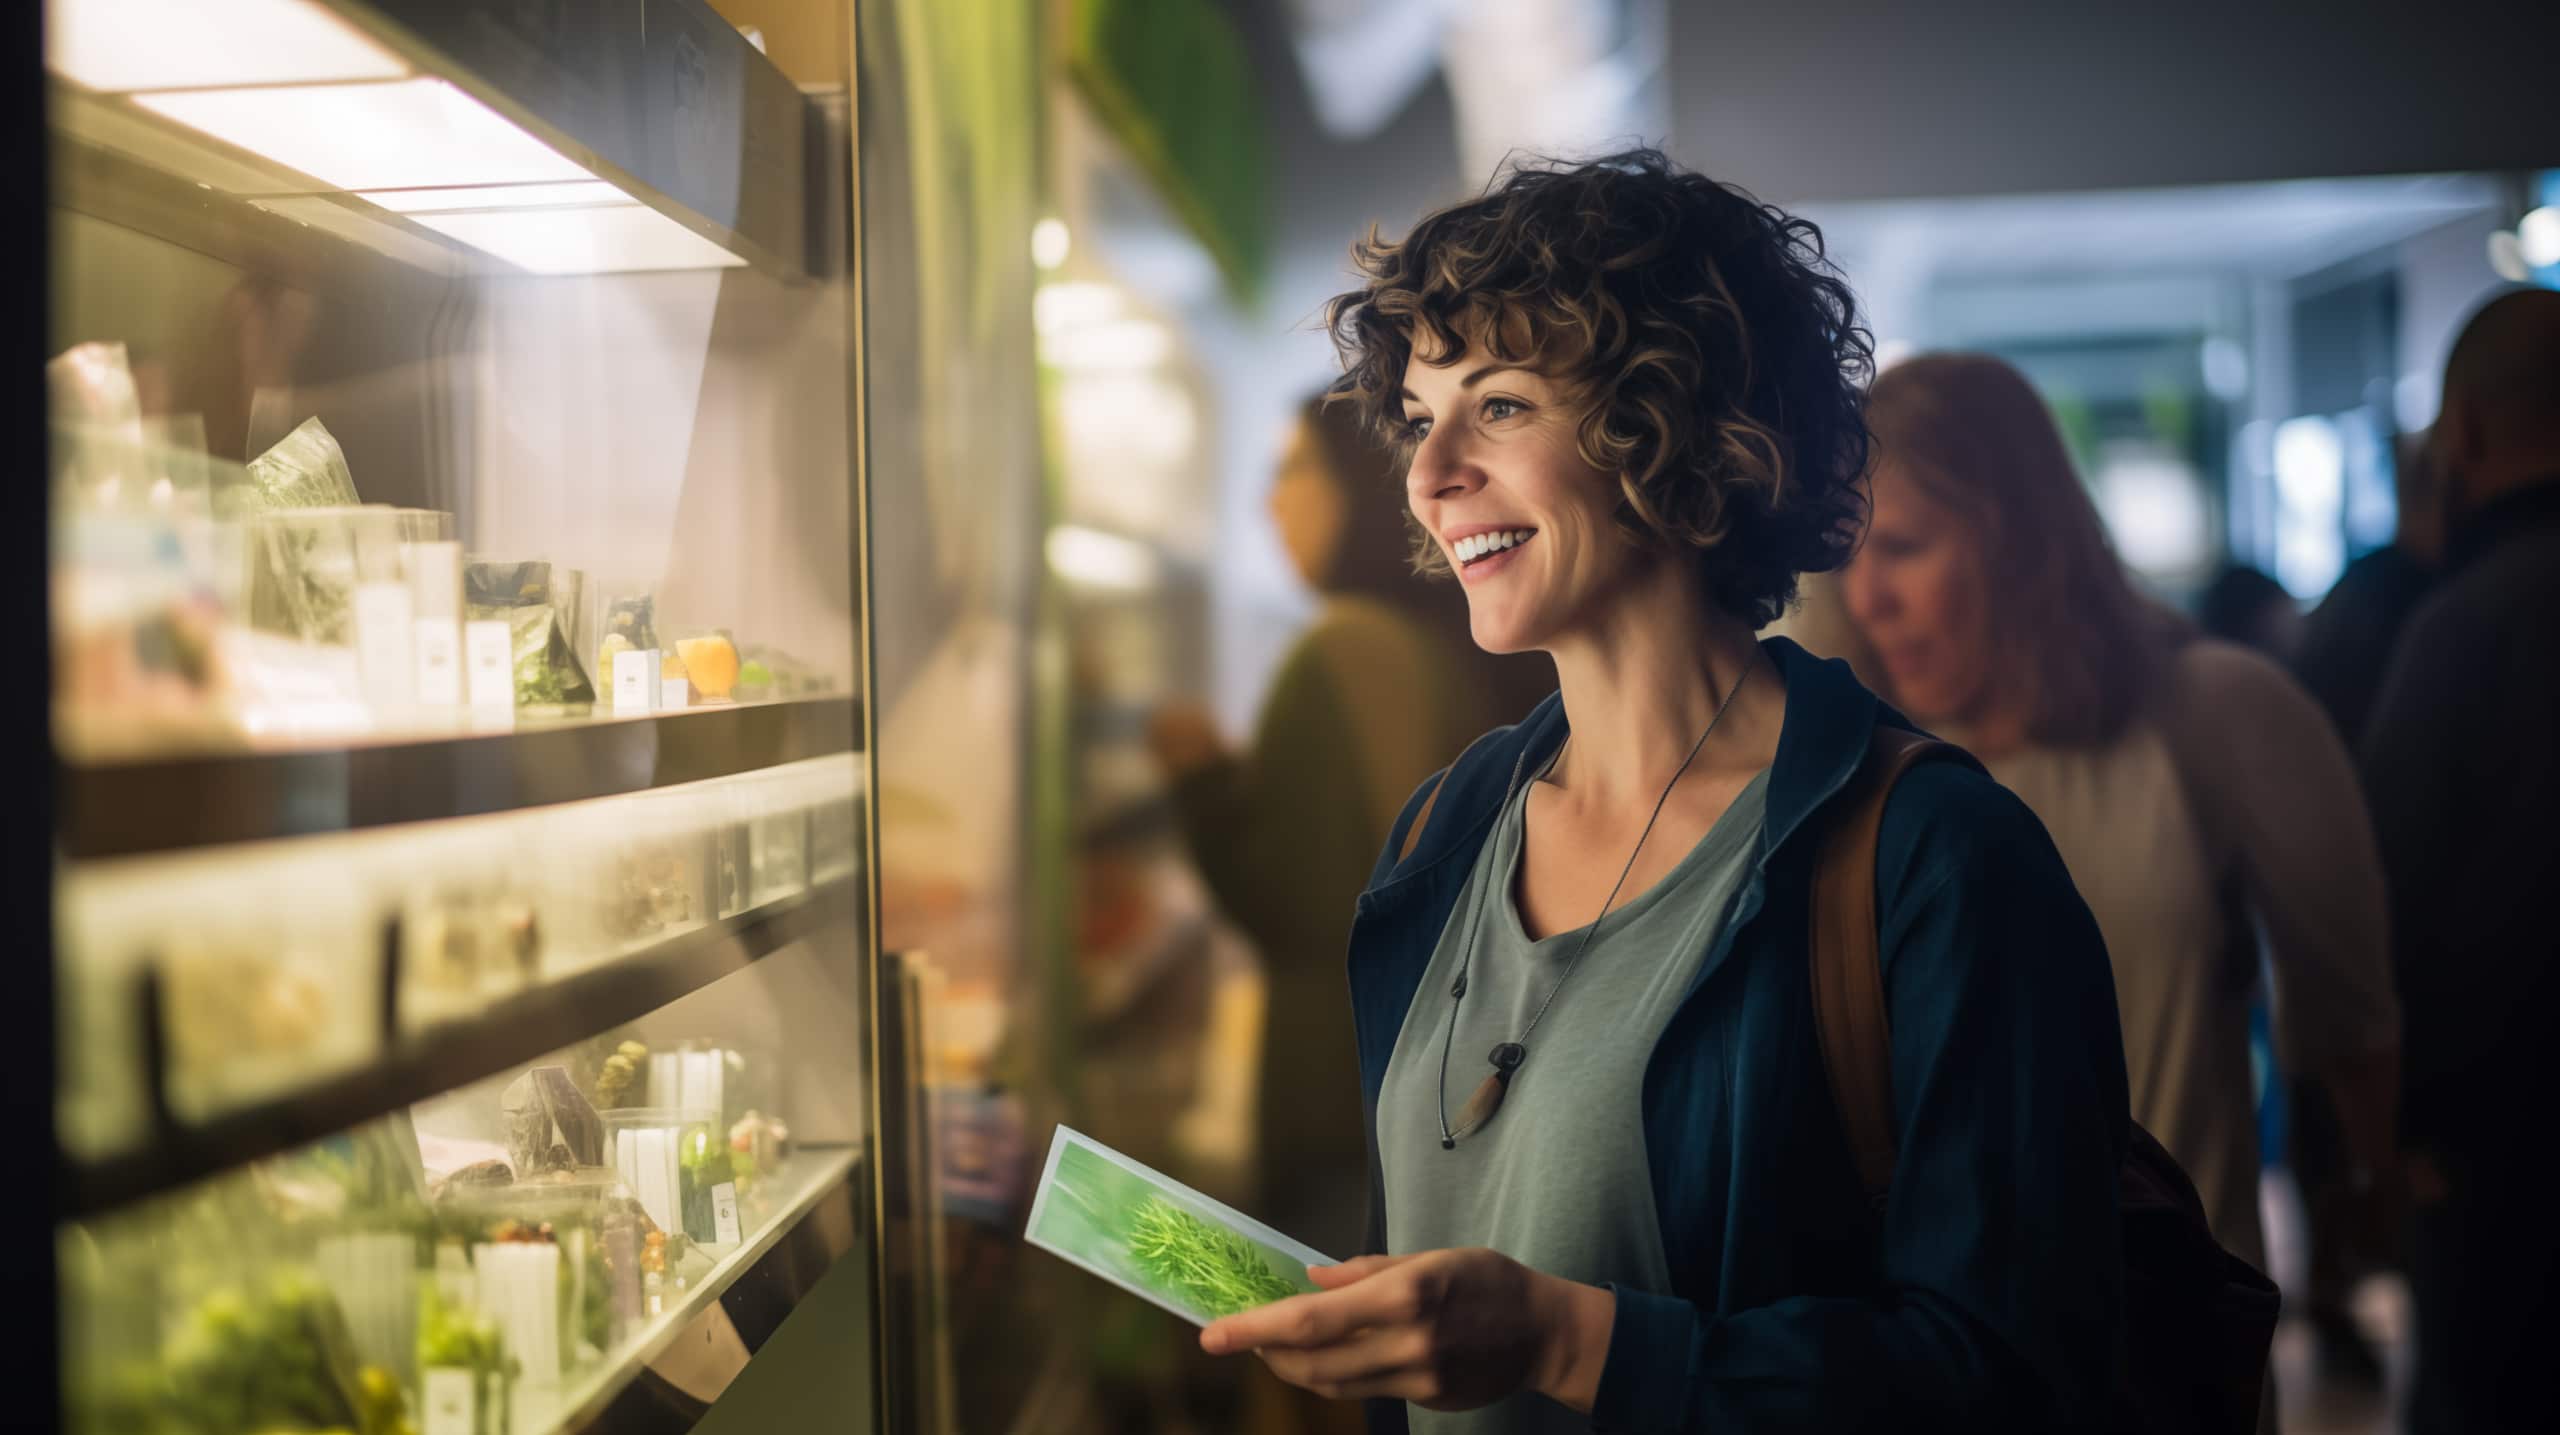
[1483, 552]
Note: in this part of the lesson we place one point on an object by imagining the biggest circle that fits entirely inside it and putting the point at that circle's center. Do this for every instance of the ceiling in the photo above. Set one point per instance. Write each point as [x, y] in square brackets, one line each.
[2267, 231]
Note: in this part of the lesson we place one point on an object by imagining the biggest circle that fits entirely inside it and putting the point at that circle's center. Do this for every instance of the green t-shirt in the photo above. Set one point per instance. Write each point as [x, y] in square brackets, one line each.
[1558, 1180]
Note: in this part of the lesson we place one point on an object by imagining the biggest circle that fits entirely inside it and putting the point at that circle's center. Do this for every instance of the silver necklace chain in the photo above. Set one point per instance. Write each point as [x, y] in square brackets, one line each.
[1466, 962]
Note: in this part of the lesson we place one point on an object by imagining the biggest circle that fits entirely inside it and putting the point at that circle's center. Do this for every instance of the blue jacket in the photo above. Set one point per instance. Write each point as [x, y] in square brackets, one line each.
[1988, 1295]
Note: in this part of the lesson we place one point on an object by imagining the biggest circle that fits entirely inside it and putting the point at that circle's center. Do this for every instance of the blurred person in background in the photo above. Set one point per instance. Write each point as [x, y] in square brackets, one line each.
[1281, 832]
[2464, 777]
[2347, 641]
[1284, 832]
[2345, 646]
[1613, 1189]
[2191, 784]
[2243, 605]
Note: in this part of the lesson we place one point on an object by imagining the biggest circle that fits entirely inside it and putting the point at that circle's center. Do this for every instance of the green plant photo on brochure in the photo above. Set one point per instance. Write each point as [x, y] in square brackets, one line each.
[1159, 1239]
[1208, 1266]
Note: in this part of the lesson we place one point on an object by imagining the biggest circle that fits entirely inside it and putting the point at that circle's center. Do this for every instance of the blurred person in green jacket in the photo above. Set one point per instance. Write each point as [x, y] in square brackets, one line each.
[1284, 832]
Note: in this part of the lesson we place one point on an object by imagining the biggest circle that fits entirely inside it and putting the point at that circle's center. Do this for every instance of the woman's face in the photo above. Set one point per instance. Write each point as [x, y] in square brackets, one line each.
[1307, 507]
[1499, 483]
[1917, 593]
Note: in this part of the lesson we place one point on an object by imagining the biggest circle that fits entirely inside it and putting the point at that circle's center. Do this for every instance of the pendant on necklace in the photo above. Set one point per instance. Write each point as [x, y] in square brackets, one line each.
[1487, 1099]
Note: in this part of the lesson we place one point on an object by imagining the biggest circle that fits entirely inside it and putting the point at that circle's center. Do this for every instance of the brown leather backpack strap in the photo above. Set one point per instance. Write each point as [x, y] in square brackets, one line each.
[1421, 819]
[1847, 960]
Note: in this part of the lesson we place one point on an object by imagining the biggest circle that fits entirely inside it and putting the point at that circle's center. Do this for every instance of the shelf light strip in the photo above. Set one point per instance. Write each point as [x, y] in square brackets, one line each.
[287, 80]
[122, 46]
[587, 193]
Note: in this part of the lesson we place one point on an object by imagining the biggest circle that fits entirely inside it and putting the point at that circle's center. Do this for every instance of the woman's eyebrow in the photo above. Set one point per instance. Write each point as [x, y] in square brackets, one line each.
[1472, 379]
[1482, 373]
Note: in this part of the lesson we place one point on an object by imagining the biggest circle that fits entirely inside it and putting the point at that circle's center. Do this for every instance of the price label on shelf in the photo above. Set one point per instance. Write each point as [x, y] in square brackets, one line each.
[724, 1212]
[488, 660]
[384, 634]
[635, 680]
[450, 1399]
[439, 649]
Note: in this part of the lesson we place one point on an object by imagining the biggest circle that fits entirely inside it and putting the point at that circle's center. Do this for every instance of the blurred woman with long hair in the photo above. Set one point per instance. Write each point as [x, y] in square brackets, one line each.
[2198, 795]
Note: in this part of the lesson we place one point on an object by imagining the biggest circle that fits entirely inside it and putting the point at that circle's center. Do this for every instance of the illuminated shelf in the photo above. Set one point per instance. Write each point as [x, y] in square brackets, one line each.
[179, 802]
[817, 1217]
[508, 1033]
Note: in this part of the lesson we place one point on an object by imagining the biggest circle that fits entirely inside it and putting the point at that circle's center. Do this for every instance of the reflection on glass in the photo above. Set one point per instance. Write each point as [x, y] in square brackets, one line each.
[497, 1258]
[392, 421]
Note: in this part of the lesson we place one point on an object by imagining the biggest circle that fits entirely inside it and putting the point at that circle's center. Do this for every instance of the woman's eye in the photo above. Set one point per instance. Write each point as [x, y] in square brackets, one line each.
[1496, 410]
[1416, 430]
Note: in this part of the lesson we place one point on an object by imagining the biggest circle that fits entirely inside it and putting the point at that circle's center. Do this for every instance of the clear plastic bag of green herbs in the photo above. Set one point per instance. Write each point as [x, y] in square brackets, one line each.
[544, 610]
[1157, 1238]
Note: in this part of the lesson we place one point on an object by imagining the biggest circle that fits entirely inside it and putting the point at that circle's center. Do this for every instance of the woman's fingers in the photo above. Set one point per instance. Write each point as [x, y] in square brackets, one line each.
[1371, 1361]
[1304, 1321]
[1335, 1277]
[1300, 1320]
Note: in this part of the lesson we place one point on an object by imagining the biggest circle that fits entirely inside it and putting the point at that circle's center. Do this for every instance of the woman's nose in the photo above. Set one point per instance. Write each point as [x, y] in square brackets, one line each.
[1440, 470]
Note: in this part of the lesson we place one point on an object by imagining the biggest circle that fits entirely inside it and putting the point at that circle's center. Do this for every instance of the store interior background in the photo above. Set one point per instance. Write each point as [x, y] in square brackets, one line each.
[2231, 246]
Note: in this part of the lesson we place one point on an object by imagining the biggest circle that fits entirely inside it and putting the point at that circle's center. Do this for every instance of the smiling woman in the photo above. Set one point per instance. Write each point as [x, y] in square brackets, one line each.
[1609, 1189]
[1691, 343]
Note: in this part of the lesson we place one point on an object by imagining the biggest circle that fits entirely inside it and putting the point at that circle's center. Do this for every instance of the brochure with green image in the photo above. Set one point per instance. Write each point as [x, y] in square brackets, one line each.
[1158, 1239]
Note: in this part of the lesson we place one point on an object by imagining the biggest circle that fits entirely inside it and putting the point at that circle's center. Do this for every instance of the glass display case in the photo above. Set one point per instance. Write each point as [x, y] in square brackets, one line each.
[463, 951]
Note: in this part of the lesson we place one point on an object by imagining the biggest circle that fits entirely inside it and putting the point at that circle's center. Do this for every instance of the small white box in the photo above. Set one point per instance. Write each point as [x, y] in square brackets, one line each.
[635, 680]
[452, 1401]
[385, 631]
[724, 1213]
[489, 664]
[674, 694]
[439, 649]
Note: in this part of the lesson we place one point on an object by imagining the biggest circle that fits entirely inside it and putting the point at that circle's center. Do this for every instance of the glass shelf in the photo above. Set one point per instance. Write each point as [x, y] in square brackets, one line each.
[507, 1034]
[457, 713]
[174, 803]
[817, 1208]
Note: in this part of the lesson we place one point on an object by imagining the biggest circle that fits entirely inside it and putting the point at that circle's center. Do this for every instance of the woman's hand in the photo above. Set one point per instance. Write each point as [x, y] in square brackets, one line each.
[1185, 737]
[1449, 1330]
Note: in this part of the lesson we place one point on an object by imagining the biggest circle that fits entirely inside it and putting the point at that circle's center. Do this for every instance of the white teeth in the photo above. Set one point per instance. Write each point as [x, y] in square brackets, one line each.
[1479, 545]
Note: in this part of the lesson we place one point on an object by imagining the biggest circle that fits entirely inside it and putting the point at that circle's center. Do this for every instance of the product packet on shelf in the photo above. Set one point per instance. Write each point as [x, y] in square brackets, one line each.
[272, 1353]
[758, 1146]
[710, 660]
[253, 1003]
[581, 1228]
[373, 1275]
[768, 674]
[550, 1126]
[91, 386]
[465, 1380]
[141, 646]
[311, 564]
[622, 1076]
[1158, 1239]
[541, 607]
[313, 544]
[472, 928]
[304, 469]
[776, 807]
[628, 656]
[676, 1162]
[641, 862]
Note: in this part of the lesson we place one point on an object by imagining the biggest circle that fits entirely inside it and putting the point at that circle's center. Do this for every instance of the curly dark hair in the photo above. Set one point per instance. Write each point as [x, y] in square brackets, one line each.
[1715, 350]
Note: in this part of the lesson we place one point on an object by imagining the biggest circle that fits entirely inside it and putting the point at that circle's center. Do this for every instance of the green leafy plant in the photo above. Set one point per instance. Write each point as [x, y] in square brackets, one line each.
[1209, 1266]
